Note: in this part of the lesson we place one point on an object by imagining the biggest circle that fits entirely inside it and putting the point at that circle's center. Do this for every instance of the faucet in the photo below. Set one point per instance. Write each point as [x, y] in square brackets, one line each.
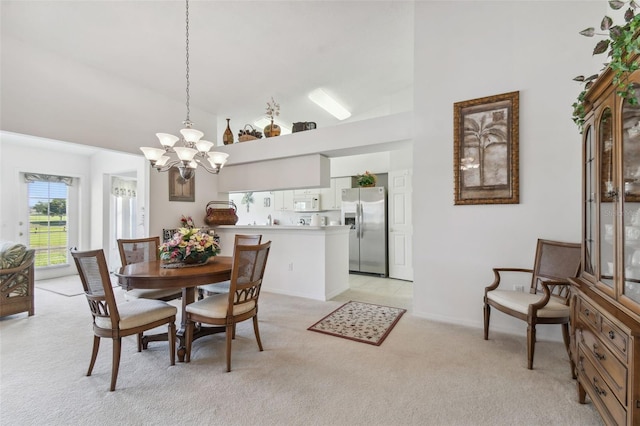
[269, 220]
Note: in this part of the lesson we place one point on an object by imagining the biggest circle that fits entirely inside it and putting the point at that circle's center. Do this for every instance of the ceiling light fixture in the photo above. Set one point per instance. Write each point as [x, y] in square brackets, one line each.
[323, 100]
[193, 150]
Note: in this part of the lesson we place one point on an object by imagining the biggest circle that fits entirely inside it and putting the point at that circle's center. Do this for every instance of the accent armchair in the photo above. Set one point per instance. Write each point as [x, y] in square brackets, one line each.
[547, 301]
[16, 279]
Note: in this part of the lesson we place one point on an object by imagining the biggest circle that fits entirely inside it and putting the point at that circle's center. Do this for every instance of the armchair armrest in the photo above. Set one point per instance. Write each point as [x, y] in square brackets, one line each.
[20, 268]
[496, 273]
[547, 294]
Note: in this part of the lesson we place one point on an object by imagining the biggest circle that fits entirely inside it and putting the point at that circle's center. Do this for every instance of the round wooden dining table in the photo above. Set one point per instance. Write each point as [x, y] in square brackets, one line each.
[151, 274]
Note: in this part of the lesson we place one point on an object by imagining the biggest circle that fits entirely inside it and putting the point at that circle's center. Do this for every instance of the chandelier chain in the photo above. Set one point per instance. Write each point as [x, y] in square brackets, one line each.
[188, 121]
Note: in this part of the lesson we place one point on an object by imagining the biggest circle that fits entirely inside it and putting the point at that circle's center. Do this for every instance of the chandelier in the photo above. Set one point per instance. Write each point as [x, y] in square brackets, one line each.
[193, 151]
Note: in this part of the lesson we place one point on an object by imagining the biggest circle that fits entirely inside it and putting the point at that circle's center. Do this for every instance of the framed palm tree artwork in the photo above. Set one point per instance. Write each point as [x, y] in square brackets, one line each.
[181, 189]
[485, 135]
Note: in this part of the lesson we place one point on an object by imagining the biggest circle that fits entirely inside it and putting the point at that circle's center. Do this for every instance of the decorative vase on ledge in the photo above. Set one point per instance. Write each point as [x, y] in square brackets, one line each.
[227, 137]
[271, 130]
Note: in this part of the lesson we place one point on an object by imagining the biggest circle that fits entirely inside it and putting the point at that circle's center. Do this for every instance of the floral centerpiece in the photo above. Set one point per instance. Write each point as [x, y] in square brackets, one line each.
[187, 222]
[367, 179]
[188, 246]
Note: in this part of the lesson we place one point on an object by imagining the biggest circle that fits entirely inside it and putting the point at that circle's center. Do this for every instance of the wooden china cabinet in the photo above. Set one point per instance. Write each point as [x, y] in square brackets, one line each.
[605, 299]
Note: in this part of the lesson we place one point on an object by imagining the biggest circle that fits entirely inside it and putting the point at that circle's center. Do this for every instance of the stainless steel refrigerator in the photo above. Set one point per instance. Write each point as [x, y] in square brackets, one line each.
[365, 210]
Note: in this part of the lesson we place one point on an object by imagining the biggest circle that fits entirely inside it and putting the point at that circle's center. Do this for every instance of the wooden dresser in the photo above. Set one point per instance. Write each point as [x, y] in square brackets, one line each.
[606, 353]
[605, 298]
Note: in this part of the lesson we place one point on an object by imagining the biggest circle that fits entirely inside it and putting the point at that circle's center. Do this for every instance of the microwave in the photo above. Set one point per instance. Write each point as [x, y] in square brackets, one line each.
[306, 203]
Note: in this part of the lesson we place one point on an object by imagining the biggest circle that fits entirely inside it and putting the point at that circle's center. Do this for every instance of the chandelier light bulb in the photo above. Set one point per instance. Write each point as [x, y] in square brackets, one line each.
[162, 161]
[204, 146]
[167, 140]
[191, 135]
[152, 154]
[217, 159]
[185, 154]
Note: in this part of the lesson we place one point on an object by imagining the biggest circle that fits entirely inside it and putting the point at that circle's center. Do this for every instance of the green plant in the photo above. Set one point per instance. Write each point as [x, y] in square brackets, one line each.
[247, 199]
[366, 179]
[621, 44]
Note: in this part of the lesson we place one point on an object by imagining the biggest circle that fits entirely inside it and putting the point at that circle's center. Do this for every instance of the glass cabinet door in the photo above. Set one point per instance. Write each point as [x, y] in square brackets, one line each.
[631, 198]
[607, 199]
[591, 183]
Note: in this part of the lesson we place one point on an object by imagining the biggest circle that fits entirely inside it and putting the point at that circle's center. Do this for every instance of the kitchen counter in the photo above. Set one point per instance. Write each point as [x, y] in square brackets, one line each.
[304, 261]
[329, 228]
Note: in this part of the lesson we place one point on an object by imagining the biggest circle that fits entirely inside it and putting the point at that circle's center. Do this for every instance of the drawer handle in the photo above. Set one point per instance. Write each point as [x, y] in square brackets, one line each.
[601, 357]
[612, 335]
[599, 391]
[586, 312]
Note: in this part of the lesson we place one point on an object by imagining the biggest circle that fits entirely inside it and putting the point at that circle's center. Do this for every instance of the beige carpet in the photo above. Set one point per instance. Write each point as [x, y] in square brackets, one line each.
[425, 373]
[65, 286]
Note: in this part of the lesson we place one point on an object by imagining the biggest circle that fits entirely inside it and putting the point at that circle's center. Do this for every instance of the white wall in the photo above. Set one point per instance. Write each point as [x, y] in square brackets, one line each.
[493, 48]
[22, 153]
[166, 214]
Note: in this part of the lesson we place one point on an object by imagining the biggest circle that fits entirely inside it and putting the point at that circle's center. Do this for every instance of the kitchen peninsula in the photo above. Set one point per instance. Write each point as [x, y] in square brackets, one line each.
[304, 261]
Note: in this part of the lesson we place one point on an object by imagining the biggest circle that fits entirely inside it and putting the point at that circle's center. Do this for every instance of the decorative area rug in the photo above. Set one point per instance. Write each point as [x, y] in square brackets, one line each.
[362, 322]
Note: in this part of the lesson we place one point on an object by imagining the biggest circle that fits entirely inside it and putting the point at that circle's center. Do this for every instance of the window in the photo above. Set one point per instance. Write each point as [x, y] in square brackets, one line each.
[48, 231]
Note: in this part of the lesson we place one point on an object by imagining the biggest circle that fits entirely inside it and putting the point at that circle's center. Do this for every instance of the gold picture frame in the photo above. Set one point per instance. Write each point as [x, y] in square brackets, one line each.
[179, 188]
[486, 158]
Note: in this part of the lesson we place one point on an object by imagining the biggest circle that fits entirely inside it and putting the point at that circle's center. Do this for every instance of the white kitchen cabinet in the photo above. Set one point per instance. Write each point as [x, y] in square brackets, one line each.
[283, 200]
[305, 191]
[331, 198]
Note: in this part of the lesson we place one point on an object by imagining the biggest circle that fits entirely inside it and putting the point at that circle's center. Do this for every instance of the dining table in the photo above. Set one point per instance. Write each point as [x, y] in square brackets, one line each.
[152, 275]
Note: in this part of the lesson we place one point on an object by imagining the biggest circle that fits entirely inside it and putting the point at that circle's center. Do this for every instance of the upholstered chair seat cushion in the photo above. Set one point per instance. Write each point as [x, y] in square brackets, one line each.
[139, 312]
[221, 287]
[520, 301]
[216, 306]
[149, 293]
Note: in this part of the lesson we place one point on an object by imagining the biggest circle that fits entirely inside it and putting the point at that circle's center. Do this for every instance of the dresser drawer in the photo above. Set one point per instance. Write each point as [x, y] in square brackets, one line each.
[587, 313]
[598, 389]
[618, 338]
[615, 371]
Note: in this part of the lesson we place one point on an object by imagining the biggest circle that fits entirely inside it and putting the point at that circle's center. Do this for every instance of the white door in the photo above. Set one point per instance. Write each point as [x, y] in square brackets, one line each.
[400, 225]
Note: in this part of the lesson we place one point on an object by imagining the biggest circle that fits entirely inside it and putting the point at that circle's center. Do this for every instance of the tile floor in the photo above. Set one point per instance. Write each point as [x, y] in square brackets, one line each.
[382, 291]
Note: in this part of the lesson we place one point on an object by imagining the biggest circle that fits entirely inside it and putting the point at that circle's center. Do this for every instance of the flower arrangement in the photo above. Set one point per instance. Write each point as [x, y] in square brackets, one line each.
[189, 245]
[366, 179]
[273, 109]
[187, 222]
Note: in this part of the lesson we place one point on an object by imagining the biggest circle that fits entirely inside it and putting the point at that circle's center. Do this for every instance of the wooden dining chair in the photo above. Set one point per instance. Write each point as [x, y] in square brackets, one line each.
[114, 320]
[223, 286]
[136, 250]
[240, 304]
[547, 301]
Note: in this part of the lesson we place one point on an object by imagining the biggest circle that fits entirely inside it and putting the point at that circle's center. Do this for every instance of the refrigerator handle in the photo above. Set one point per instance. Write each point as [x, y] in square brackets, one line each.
[359, 214]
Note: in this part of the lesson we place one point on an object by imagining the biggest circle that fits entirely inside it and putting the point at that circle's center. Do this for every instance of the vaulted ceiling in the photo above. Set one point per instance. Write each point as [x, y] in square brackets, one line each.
[112, 73]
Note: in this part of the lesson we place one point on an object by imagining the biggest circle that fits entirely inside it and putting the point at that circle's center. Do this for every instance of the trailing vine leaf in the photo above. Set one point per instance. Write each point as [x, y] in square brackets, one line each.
[601, 47]
[616, 4]
[606, 23]
[628, 15]
[589, 32]
[615, 32]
